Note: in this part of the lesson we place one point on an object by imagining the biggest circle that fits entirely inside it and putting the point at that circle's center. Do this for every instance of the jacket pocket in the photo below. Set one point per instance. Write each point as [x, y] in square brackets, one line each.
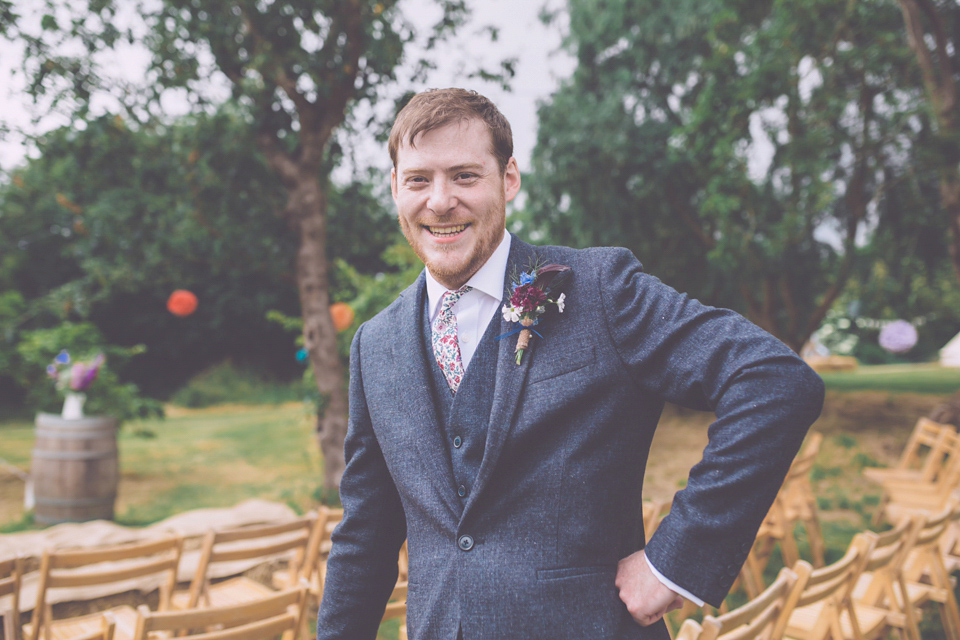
[567, 362]
[574, 572]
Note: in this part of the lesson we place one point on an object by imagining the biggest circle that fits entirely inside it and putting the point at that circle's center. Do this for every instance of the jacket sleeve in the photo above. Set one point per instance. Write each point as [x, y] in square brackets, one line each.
[763, 395]
[362, 567]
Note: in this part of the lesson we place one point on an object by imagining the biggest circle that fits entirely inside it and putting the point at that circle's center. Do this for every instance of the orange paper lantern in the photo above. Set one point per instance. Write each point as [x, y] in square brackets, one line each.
[342, 315]
[182, 303]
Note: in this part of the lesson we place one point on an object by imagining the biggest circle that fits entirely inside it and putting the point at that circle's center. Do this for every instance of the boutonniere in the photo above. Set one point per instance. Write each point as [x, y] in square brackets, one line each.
[528, 298]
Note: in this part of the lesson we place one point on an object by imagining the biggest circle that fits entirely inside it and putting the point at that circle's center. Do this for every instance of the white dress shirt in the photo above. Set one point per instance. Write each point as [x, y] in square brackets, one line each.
[475, 308]
[474, 311]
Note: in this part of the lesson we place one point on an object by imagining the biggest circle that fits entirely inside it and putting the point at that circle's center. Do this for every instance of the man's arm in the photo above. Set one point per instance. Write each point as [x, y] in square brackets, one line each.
[362, 567]
[764, 397]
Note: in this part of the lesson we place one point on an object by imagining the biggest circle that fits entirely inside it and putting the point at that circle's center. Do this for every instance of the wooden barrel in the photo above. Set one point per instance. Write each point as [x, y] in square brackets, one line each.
[74, 469]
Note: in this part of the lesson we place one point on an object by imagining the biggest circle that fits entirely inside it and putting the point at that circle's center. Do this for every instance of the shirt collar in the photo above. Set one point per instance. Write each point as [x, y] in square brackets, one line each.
[488, 279]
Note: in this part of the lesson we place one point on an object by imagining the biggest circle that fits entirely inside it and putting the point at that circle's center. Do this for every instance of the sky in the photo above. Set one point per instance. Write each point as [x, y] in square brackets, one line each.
[540, 66]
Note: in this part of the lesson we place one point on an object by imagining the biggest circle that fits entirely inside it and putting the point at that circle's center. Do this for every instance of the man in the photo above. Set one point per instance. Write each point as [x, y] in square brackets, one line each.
[518, 486]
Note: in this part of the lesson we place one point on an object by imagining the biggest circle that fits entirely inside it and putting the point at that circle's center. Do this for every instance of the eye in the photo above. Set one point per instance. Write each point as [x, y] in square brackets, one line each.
[465, 176]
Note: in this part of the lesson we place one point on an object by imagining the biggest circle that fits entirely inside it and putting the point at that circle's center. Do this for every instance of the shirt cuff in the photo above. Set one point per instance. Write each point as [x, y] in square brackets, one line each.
[670, 585]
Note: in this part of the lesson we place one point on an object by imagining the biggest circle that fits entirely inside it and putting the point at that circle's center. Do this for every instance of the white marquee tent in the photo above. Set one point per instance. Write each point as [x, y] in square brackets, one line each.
[950, 353]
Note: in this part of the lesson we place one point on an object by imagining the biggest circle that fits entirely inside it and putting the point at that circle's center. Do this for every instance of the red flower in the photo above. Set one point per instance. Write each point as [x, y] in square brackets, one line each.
[527, 298]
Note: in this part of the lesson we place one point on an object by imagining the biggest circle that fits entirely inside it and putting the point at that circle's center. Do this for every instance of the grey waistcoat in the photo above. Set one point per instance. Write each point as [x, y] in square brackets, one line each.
[465, 415]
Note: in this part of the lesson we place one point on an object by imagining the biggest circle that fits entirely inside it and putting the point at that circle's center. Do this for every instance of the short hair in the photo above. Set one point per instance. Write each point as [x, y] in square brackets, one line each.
[436, 108]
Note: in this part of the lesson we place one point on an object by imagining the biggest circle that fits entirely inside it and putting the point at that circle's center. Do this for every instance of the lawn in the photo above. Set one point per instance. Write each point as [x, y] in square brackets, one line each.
[215, 457]
[914, 378]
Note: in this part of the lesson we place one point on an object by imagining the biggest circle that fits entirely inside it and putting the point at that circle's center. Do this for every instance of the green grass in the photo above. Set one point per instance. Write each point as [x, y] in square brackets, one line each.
[201, 458]
[920, 378]
[226, 382]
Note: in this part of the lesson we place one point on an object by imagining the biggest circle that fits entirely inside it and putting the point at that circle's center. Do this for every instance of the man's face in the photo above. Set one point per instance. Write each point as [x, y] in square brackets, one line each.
[451, 199]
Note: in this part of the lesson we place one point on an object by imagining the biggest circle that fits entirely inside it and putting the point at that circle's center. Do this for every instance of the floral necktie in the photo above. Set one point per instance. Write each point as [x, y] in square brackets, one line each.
[446, 345]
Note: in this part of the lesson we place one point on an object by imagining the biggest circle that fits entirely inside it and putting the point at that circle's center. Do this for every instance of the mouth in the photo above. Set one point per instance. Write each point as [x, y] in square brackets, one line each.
[446, 232]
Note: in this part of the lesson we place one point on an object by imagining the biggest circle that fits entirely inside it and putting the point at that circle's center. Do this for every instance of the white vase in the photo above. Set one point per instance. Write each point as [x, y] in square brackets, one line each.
[73, 406]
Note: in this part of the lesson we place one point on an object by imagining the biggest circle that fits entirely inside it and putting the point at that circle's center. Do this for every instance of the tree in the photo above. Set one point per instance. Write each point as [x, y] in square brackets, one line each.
[294, 68]
[903, 272]
[932, 34]
[107, 221]
[738, 147]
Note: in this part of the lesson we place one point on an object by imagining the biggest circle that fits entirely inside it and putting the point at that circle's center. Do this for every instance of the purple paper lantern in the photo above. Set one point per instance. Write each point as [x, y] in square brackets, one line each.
[898, 337]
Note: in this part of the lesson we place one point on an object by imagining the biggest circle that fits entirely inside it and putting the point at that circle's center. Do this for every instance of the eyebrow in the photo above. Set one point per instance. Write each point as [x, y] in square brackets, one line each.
[473, 166]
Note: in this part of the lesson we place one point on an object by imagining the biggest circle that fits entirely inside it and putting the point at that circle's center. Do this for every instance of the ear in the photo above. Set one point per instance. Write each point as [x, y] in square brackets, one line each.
[393, 184]
[511, 180]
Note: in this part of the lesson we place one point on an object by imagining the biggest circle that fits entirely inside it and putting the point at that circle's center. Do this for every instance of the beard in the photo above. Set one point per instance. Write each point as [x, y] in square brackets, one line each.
[453, 266]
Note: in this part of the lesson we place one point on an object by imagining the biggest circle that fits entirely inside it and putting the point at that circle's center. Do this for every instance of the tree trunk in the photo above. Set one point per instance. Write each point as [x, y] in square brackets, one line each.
[927, 35]
[307, 209]
[950, 201]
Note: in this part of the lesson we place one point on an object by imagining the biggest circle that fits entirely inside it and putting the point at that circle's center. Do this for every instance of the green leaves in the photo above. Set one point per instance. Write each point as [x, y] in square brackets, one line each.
[733, 145]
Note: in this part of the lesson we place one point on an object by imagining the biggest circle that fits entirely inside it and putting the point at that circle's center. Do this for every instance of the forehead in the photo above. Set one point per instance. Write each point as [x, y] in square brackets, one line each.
[457, 143]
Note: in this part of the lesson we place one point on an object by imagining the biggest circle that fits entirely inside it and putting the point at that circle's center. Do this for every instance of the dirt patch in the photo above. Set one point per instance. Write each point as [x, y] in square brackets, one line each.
[861, 429]
[11, 497]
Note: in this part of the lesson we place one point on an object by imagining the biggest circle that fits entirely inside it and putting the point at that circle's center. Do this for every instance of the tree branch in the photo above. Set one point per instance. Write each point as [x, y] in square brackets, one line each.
[275, 71]
[916, 37]
[689, 220]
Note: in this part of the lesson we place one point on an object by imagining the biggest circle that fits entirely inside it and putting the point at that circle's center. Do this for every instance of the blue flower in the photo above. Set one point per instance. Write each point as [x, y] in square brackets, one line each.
[63, 357]
[526, 278]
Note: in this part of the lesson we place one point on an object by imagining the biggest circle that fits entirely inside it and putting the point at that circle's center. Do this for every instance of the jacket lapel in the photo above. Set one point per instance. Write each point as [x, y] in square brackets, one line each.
[414, 390]
[510, 379]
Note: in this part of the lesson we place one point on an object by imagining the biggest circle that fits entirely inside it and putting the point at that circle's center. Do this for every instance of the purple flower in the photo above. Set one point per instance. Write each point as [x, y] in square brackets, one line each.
[82, 374]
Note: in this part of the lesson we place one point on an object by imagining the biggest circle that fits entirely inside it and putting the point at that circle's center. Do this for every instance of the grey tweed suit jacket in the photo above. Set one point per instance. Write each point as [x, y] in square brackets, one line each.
[533, 551]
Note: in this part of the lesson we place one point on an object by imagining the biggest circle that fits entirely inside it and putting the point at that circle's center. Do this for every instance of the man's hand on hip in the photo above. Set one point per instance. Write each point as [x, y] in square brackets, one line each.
[647, 599]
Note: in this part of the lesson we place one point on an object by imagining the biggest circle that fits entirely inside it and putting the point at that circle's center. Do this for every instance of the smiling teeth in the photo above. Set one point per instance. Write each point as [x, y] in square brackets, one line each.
[447, 231]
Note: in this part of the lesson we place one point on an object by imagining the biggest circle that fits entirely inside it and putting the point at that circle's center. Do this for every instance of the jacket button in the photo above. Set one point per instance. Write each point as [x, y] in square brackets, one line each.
[457, 441]
[465, 543]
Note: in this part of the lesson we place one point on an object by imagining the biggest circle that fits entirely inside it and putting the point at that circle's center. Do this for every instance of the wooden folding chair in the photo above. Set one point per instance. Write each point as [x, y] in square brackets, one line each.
[233, 550]
[397, 608]
[823, 607]
[403, 563]
[905, 497]
[926, 574]
[11, 572]
[929, 492]
[794, 503]
[121, 567]
[922, 455]
[950, 542]
[755, 620]
[278, 614]
[653, 512]
[107, 630]
[318, 548]
[882, 584]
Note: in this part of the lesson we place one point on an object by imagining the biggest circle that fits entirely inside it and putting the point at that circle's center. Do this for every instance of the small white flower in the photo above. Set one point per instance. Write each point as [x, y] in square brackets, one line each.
[510, 314]
[561, 302]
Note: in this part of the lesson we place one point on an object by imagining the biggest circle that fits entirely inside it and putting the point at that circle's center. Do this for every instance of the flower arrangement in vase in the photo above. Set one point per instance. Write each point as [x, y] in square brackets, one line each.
[73, 378]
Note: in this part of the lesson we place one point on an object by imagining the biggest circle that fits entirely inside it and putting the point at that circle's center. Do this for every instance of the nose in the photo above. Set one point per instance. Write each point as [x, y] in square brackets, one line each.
[442, 199]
